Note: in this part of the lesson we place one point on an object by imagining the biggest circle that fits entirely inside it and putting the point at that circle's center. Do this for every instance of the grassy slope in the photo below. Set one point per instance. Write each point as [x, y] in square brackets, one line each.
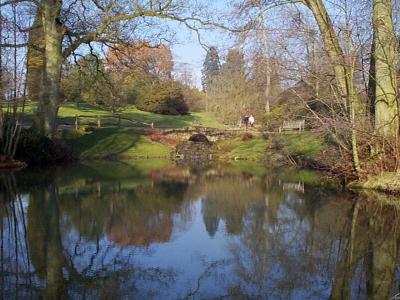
[305, 145]
[387, 182]
[236, 148]
[121, 143]
[118, 143]
[68, 112]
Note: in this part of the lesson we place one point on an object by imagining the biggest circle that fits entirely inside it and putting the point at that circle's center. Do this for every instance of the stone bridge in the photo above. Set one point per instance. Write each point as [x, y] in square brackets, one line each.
[213, 134]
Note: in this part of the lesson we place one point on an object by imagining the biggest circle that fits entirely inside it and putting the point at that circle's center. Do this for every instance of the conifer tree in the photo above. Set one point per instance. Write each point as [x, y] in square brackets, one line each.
[211, 67]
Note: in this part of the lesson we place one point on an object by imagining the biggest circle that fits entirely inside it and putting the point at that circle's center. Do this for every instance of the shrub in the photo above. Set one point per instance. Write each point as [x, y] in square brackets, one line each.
[195, 99]
[38, 150]
[274, 119]
[71, 134]
[165, 98]
[247, 137]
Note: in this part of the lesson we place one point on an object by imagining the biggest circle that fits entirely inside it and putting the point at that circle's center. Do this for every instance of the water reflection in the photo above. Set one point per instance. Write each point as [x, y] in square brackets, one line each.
[133, 231]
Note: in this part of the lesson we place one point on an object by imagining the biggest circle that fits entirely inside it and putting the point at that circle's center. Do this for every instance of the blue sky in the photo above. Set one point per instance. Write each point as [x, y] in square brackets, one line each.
[187, 49]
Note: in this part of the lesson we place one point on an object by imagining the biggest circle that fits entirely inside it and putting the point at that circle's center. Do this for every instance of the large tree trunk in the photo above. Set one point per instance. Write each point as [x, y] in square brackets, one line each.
[343, 72]
[384, 82]
[35, 59]
[55, 288]
[331, 47]
[53, 34]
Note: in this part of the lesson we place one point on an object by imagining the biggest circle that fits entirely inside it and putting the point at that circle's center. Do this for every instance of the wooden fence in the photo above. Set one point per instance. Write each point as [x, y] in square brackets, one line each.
[98, 121]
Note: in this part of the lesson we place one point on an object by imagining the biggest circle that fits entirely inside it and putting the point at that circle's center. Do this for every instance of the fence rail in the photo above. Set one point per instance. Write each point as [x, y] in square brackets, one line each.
[99, 121]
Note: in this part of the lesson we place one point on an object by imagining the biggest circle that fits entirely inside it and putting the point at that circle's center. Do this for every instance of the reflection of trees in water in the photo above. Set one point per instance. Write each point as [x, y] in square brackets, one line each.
[314, 245]
[371, 251]
[318, 244]
[65, 261]
[15, 265]
[136, 217]
[282, 243]
[228, 199]
[147, 217]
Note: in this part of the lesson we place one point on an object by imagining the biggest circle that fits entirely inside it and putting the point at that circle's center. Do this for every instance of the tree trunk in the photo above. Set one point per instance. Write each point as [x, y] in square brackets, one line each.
[381, 259]
[55, 288]
[331, 47]
[372, 87]
[1, 80]
[384, 82]
[35, 59]
[344, 73]
[53, 34]
[265, 50]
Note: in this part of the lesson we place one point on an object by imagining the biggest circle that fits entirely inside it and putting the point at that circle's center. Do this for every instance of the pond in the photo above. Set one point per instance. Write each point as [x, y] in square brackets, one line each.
[153, 230]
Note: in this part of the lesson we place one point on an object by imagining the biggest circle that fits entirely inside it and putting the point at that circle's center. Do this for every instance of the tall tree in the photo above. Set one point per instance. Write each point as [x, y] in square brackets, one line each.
[344, 70]
[264, 50]
[211, 67]
[142, 56]
[265, 72]
[229, 92]
[384, 71]
[67, 26]
[35, 59]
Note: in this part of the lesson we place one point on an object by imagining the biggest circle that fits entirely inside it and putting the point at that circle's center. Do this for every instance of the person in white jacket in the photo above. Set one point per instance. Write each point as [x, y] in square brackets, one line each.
[251, 120]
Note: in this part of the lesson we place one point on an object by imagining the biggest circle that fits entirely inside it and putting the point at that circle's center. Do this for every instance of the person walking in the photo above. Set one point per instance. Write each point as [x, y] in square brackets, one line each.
[251, 120]
[246, 121]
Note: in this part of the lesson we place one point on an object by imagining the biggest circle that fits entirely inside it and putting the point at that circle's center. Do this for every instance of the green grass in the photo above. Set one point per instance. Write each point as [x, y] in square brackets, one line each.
[68, 112]
[237, 149]
[115, 143]
[306, 144]
[387, 182]
[248, 166]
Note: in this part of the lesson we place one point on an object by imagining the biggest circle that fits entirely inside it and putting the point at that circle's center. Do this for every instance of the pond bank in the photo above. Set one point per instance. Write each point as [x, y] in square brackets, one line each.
[308, 150]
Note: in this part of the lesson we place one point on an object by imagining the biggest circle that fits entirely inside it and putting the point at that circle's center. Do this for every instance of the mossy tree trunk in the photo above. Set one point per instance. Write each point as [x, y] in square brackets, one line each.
[53, 60]
[35, 63]
[35, 59]
[383, 71]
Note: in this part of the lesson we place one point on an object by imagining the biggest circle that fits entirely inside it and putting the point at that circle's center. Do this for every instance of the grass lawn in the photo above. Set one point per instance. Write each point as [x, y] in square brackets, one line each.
[386, 182]
[305, 144]
[115, 143]
[236, 148]
[68, 112]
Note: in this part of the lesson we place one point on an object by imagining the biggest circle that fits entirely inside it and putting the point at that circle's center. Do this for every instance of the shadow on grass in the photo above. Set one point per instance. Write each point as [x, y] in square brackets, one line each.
[103, 143]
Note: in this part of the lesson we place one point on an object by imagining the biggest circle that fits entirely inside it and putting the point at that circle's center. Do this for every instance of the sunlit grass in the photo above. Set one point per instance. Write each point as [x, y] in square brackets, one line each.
[69, 111]
[116, 143]
[306, 144]
[253, 149]
[386, 182]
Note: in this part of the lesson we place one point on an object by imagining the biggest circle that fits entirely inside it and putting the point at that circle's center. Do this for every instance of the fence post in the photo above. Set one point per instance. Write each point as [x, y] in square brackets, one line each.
[76, 122]
[98, 122]
[152, 124]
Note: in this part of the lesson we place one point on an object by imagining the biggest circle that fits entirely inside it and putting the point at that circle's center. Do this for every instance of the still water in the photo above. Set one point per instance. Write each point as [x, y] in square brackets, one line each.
[151, 230]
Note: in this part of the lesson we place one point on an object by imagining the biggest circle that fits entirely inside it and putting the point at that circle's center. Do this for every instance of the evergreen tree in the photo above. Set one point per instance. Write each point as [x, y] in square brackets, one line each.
[229, 93]
[211, 67]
